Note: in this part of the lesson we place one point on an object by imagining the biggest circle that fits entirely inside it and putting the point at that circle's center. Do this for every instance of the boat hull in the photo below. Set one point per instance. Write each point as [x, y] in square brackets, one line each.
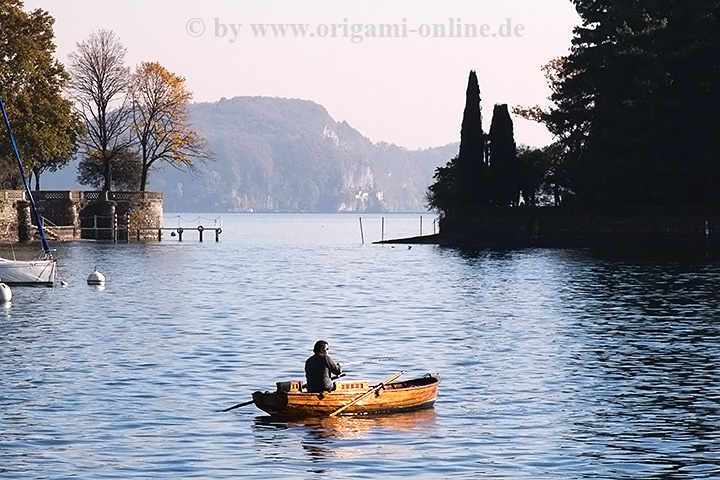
[394, 397]
[20, 272]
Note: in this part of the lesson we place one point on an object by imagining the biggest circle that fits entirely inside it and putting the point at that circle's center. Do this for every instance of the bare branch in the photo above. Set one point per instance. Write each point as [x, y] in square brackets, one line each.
[99, 86]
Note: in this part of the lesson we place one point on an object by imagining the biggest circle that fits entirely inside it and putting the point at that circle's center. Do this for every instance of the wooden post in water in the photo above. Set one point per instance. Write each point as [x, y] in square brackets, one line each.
[382, 234]
[362, 236]
[200, 231]
[114, 226]
[421, 225]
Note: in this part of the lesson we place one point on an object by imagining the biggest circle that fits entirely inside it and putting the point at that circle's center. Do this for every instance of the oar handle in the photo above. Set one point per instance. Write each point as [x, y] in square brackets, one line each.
[238, 406]
[361, 396]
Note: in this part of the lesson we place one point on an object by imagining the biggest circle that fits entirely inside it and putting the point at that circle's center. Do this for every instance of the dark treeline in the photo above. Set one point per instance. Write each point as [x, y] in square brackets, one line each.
[489, 169]
[636, 110]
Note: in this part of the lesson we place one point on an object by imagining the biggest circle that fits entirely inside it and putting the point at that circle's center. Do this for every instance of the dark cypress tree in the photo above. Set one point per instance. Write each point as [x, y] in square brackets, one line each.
[462, 184]
[503, 163]
[471, 162]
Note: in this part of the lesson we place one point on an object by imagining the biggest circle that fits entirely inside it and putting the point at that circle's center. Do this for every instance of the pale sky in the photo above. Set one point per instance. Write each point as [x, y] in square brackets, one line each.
[407, 89]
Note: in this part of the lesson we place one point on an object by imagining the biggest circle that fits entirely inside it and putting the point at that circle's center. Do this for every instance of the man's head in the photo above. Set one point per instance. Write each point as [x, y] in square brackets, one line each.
[321, 346]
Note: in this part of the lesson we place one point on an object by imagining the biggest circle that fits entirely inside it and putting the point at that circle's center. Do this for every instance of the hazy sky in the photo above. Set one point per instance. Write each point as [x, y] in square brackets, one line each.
[407, 87]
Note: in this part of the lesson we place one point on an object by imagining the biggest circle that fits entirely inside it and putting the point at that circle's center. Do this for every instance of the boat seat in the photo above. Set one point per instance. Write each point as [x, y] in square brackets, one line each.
[358, 385]
[292, 386]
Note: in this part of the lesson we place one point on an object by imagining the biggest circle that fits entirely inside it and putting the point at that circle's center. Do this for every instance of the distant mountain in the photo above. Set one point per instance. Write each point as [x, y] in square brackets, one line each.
[289, 155]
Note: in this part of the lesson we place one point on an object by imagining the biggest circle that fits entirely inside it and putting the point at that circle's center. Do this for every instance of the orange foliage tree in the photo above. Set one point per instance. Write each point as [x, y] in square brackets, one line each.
[160, 123]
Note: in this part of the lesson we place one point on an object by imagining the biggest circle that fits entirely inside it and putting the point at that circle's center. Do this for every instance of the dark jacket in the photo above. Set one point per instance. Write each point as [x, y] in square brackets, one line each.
[318, 370]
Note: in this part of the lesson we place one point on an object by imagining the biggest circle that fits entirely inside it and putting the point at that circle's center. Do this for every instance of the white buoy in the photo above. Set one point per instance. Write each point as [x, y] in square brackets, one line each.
[5, 293]
[96, 278]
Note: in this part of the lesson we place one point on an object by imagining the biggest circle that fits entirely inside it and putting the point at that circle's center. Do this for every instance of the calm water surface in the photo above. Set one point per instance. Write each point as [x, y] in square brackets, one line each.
[555, 364]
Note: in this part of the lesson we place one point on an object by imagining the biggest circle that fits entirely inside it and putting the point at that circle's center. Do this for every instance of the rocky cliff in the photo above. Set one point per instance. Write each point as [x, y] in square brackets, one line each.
[288, 155]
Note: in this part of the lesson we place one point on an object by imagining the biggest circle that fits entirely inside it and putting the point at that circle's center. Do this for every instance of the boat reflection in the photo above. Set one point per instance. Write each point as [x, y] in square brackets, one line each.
[339, 437]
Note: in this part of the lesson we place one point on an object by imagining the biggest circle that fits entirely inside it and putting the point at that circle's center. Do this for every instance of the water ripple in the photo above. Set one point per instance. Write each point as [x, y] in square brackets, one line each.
[555, 364]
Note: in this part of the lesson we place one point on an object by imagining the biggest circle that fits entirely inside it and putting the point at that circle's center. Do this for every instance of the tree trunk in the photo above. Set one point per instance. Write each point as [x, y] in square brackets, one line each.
[107, 175]
[143, 178]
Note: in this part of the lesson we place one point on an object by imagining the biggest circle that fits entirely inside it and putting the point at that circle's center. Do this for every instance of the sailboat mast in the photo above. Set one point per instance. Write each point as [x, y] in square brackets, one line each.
[36, 215]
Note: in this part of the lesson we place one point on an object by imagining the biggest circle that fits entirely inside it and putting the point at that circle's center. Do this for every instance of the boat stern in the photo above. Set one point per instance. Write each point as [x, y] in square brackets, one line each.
[271, 402]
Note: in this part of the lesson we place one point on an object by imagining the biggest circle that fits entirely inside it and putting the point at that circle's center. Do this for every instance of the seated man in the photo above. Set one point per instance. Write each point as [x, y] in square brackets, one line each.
[319, 368]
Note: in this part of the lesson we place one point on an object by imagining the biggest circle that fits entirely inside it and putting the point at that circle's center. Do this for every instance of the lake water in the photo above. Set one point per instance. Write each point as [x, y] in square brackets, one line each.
[555, 363]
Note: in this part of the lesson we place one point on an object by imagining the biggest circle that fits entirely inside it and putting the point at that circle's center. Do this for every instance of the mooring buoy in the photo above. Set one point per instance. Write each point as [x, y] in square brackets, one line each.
[5, 293]
[96, 278]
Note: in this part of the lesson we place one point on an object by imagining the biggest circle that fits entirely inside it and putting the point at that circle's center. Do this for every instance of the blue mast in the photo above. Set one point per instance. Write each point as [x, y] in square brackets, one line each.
[45, 245]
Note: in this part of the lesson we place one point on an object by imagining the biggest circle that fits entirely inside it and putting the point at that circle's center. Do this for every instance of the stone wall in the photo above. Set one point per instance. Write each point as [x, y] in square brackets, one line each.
[139, 216]
[59, 207]
[9, 228]
[72, 215]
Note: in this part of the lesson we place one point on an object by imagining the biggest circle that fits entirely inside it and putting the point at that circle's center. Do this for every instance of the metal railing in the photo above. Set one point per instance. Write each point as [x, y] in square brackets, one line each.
[116, 228]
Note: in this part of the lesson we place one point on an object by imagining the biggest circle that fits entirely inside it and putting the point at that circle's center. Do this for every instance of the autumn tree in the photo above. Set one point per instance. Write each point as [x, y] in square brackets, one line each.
[160, 123]
[99, 85]
[31, 84]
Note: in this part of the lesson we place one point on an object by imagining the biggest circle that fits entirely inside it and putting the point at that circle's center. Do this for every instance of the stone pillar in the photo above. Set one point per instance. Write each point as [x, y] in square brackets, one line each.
[25, 225]
[73, 214]
[108, 220]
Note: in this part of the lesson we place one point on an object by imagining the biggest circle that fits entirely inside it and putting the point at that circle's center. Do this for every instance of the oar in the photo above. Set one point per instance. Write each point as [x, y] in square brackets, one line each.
[238, 405]
[363, 395]
[372, 360]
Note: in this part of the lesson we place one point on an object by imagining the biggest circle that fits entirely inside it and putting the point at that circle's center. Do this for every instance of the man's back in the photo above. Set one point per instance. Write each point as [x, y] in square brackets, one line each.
[318, 369]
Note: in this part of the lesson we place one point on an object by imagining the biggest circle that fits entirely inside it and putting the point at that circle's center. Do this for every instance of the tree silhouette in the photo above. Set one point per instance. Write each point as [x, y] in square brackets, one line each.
[636, 103]
[99, 86]
[462, 183]
[471, 161]
[502, 158]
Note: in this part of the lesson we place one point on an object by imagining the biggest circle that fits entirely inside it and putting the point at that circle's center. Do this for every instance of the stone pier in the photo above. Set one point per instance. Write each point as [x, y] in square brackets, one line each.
[75, 215]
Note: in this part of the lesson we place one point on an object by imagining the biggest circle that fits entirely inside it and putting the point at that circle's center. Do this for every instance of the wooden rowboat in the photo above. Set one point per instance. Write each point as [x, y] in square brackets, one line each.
[350, 398]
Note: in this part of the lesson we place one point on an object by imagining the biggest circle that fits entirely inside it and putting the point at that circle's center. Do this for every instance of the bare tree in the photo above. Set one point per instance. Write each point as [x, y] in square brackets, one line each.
[160, 121]
[99, 86]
